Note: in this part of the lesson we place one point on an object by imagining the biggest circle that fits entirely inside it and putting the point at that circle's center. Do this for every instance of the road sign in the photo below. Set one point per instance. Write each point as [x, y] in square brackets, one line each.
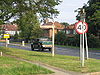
[6, 36]
[80, 26]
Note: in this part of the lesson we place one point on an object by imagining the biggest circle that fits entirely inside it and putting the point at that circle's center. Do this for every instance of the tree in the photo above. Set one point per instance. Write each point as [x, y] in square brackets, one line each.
[26, 12]
[60, 38]
[29, 26]
[65, 24]
[16, 8]
[93, 16]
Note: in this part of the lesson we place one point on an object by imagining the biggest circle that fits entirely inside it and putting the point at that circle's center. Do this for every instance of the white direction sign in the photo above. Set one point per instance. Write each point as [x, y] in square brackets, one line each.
[80, 26]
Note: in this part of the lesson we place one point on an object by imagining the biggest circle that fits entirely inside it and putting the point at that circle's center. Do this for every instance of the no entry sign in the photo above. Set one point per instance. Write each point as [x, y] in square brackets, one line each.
[81, 27]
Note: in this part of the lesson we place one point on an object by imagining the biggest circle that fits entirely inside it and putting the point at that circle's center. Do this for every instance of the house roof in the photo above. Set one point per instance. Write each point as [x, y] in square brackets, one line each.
[57, 26]
[50, 24]
[70, 26]
[10, 27]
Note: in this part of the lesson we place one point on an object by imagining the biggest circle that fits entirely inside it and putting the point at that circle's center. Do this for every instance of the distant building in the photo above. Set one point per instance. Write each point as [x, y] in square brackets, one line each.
[47, 28]
[9, 29]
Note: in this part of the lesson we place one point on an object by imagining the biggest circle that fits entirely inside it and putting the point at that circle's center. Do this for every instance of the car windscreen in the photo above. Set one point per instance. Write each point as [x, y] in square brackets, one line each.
[46, 42]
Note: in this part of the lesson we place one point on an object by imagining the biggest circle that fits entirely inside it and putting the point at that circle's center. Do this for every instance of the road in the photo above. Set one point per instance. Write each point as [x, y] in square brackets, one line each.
[62, 51]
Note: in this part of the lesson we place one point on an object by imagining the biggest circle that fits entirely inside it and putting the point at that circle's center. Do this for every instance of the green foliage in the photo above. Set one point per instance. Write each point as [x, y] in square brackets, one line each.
[64, 23]
[60, 38]
[93, 16]
[93, 41]
[13, 8]
[16, 36]
[26, 12]
[73, 41]
[29, 26]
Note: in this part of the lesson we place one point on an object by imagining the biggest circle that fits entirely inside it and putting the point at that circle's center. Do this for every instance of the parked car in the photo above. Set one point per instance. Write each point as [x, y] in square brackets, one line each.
[41, 44]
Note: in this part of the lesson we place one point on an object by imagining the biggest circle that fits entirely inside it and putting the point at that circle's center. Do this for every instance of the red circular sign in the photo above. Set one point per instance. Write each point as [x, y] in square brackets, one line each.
[81, 27]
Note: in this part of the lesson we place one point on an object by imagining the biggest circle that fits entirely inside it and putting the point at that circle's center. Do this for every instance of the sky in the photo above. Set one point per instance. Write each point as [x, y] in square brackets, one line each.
[67, 8]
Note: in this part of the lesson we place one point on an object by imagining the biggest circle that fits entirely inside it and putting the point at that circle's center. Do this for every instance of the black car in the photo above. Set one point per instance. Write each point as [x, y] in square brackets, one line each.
[41, 45]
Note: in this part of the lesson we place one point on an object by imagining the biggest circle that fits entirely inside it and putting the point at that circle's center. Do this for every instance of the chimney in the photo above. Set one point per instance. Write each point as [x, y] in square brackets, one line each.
[46, 21]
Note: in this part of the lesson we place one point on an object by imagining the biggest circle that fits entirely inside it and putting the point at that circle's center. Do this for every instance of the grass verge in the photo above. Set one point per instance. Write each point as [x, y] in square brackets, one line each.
[11, 66]
[70, 63]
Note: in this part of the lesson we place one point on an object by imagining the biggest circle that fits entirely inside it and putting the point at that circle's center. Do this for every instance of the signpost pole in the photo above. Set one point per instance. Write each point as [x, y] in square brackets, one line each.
[1, 53]
[53, 36]
[80, 47]
[6, 36]
[6, 42]
[83, 45]
[87, 56]
[81, 28]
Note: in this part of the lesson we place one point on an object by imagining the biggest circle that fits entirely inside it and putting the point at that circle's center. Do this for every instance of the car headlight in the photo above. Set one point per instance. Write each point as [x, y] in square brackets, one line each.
[43, 45]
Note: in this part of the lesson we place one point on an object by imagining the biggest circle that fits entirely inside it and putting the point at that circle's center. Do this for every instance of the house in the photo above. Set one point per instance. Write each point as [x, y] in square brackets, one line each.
[9, 29]
[70, 30]
[47, 28]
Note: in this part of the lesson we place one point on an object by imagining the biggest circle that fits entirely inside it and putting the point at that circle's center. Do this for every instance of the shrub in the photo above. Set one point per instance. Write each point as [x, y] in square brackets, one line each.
[60, 38]
[93, 41]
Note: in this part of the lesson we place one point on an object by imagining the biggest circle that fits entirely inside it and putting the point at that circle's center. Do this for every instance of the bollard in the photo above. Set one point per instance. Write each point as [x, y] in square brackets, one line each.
[23, 44]
[7, 41]
[1, 53]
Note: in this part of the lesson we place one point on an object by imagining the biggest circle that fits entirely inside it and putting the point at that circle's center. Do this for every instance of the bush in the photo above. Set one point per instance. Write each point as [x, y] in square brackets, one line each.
[60, 38]
[93, 41]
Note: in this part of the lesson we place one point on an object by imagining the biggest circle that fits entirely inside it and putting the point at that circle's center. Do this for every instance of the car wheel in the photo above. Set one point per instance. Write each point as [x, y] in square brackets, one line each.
[32, 49]
[40, 49]
[49, 49]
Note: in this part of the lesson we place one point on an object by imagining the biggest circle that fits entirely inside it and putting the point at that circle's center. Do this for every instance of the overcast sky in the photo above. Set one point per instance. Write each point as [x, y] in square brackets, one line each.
[67, 8]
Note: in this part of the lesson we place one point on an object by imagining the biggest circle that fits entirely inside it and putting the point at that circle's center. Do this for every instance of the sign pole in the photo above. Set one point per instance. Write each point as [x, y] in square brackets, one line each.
[87, 56]
[80, 47]
[1, 53]
[53, 36]
[6, 36]
[83, 45]
[81, 28]
[6, 42]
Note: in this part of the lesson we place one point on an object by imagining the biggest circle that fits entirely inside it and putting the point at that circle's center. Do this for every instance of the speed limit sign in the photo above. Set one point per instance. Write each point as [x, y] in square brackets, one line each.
[81, 27]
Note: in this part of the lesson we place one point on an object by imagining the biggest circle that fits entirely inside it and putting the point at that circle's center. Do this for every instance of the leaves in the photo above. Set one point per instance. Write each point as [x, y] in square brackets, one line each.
[12, 8]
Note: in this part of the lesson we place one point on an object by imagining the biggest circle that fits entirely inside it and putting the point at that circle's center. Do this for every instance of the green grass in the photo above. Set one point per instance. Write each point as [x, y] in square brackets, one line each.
[70, 63]
[11, 66]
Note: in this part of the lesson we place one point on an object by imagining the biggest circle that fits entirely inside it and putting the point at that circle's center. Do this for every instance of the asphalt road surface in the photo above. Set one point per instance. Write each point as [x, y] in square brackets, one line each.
[62, 51]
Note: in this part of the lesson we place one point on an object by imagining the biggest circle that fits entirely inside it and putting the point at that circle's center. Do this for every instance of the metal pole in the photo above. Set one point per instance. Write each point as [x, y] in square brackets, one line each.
[87, 56]
[53, 36]
[80, 47]
[23, 44]
[1, 53]
[83, 42]
[83, 46]
[6, 42]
